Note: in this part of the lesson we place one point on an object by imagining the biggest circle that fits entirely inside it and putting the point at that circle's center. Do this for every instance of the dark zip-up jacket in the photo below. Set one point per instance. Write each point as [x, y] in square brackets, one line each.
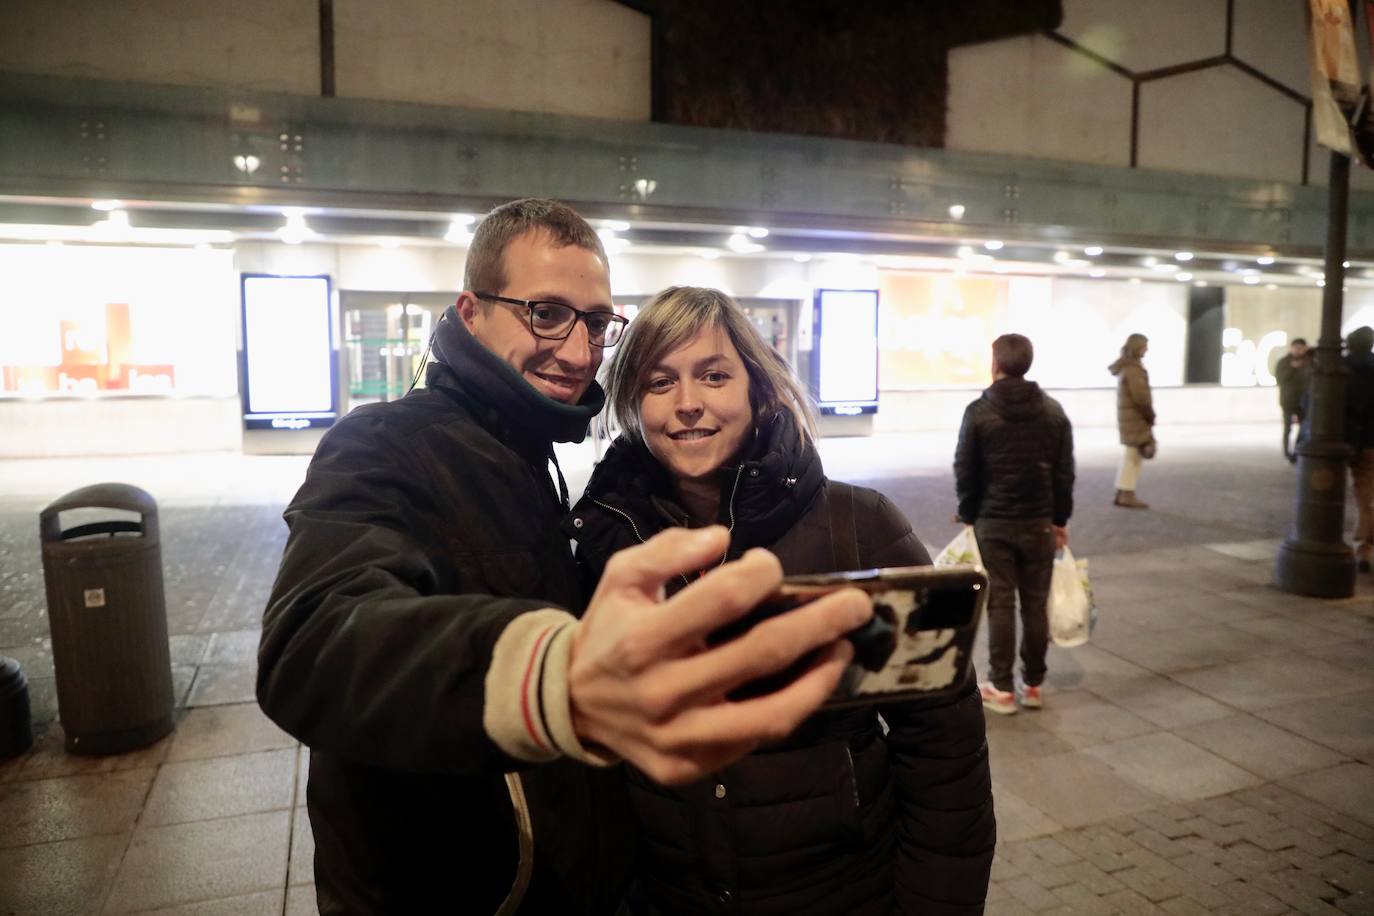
[837, 818]
[424, 580]
[1015, 456]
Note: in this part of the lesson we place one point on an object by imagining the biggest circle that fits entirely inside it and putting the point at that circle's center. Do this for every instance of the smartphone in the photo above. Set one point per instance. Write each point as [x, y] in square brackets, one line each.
[919, 642]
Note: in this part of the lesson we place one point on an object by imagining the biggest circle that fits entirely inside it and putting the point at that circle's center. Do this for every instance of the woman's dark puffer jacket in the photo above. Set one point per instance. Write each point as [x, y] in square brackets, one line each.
[838, 818]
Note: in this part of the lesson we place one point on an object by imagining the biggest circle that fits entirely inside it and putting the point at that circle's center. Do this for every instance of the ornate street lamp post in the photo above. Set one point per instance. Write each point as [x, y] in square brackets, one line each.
[1315, 559]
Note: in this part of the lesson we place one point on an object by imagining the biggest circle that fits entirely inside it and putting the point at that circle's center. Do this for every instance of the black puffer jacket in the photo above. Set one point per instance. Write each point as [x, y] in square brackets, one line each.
[1015, 455]
[837, 819]
[426, 533]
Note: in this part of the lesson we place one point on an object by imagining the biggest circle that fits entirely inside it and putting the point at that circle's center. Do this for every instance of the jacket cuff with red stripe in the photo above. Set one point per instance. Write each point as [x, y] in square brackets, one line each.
[527, 710]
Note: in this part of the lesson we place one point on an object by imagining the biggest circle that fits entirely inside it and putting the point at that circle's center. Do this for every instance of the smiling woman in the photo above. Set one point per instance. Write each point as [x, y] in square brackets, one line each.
[718, 429]
[690, 381]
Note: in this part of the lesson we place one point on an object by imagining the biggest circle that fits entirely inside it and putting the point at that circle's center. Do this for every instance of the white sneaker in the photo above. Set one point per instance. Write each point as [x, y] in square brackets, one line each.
[1002, 702]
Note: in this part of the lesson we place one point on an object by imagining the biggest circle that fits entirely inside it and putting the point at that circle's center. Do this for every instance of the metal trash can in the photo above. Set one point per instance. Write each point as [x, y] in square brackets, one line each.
[16, 728]
[109, 621]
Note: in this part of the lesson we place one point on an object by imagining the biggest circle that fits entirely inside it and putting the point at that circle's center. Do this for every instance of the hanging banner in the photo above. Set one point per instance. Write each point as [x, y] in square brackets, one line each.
[1335, 73]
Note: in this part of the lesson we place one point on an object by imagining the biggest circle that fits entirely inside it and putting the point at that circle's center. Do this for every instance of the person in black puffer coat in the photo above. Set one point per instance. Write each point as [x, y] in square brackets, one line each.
[1013, 474]
[1359, 433]
[845, 816]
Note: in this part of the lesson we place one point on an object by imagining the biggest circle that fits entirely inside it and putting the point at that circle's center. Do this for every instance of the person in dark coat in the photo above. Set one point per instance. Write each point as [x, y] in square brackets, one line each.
[854, 813]
[1293, 373]
[1013, 475]
[1135, 418]
[1359, 433]
[423, 637]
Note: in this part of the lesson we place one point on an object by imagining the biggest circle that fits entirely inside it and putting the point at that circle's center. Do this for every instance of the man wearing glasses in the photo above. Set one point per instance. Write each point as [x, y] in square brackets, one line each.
[423, 635]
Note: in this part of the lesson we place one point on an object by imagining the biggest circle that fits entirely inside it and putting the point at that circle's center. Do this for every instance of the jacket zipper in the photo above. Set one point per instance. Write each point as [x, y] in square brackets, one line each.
[635, 528]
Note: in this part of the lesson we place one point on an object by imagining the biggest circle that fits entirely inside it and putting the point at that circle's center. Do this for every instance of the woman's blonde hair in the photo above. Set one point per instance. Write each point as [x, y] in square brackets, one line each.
[1134, 345]
[670, 320]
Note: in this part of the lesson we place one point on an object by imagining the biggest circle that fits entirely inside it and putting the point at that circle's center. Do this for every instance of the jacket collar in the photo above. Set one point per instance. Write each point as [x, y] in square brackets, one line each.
[502, 399]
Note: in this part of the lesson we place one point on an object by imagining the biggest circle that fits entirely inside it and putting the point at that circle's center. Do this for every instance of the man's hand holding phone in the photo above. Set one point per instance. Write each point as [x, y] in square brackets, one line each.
[644, 683]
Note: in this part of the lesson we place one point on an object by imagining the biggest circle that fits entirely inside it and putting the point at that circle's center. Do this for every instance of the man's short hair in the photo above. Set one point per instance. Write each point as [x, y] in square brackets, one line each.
[1013, 354]
[1360, 340]
[485, 270]
[1296, 341]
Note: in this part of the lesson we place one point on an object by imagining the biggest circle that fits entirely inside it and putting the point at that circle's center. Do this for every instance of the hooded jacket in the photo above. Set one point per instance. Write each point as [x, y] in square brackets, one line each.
[1135, 411]
[1359, 399]
[1014, 459]
[837, 818]
[424, 588]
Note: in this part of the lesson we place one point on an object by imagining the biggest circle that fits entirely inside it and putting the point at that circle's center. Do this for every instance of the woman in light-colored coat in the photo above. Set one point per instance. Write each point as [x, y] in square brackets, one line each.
[1135, 418]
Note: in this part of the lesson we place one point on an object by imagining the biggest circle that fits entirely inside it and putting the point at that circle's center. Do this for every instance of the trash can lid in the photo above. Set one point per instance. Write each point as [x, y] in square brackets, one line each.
[11, 678]
[103, 496]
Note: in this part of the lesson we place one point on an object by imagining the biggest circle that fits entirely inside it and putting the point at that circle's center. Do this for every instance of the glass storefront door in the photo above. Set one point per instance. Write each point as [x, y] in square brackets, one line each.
[385, 336]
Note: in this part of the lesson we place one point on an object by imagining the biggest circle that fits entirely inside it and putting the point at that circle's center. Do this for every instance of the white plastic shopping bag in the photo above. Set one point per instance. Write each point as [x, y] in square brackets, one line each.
[962, 551]
[1071, 609]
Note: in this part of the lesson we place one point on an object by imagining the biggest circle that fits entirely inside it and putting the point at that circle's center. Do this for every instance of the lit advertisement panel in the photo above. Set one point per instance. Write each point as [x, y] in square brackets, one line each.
[937, 330]
[113, 321]
[844, 363]
[288, 354]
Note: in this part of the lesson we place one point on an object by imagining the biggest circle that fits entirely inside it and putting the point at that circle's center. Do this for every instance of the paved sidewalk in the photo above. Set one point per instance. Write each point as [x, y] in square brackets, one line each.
[1211, 751]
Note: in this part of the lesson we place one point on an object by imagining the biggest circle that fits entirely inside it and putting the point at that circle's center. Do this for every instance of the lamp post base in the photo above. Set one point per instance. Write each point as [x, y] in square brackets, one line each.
[1314, 569]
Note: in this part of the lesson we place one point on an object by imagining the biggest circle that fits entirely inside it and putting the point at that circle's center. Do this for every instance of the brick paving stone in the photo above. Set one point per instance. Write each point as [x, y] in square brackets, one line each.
[1166, 825]
[1009, 908]
[1208, 830]
[1128, 901]
[1273, 840]
[1052, 851]
[1002, 869]
[1125, 825]
[1205, 869]
[1202, 893]
[1222, 810]
[1302, 859]
[1351, 826]
[1316, 846]
[1356, 847]
[1272, 908]
[1092, 877]
[1357, 905]
[1151, 887]
[1305, 822]
[1244, 892]
[1184, 906]
[1158, 843]
[1245, 860]
[1348, 873]
[1095, 851]
[997, 892]
[1155, 865]
[1082, 901]
[1052, 876]
[1031, 893]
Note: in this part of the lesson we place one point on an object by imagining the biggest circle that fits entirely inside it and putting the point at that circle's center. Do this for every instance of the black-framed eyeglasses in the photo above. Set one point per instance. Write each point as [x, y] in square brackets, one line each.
[555, 321]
